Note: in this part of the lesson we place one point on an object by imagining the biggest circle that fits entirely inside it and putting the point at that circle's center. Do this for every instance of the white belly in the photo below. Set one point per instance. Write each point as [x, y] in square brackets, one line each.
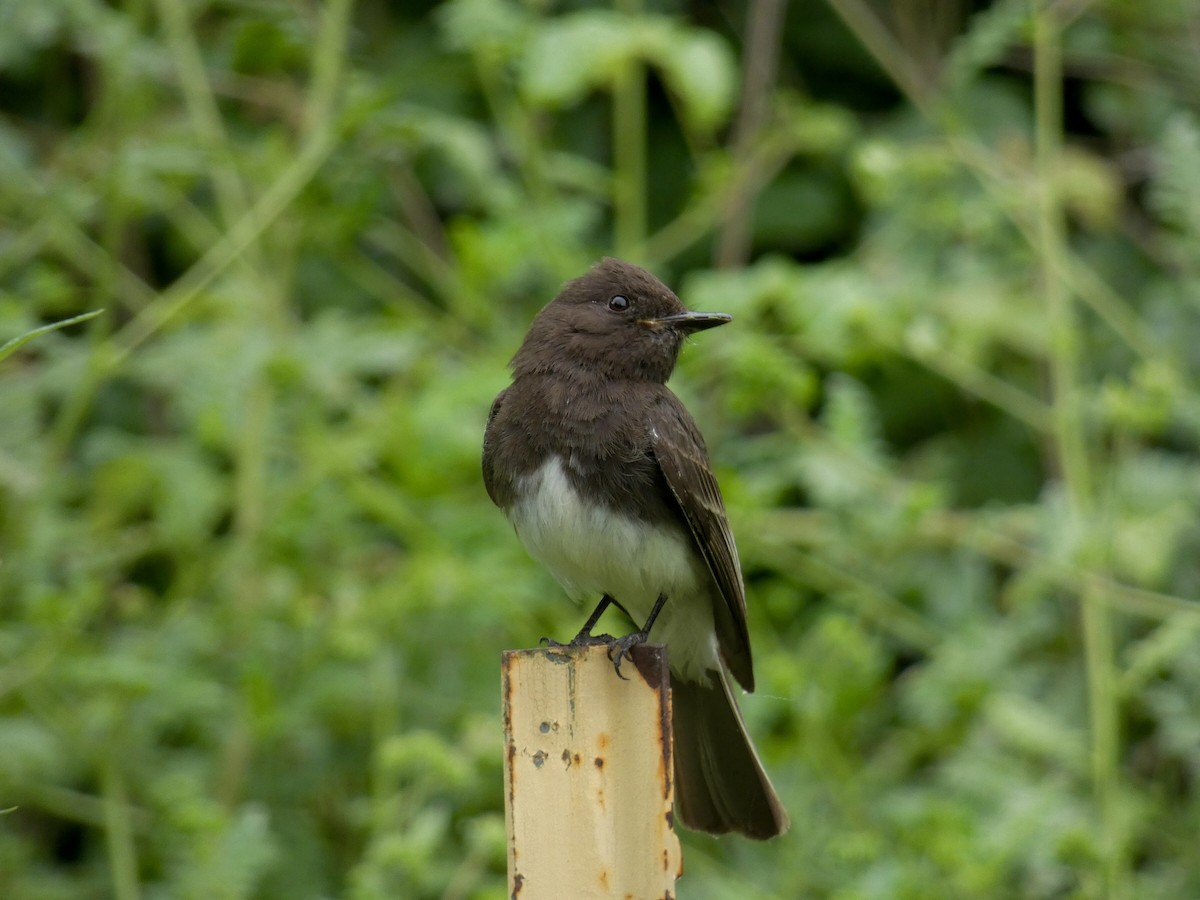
[591, 550]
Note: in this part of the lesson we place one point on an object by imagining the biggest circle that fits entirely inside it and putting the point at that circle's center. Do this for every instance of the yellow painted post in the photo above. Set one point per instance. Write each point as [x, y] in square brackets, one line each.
[587, 774]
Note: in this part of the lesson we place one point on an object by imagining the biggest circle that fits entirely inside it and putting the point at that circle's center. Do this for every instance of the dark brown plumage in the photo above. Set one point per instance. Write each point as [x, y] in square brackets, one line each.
[607, 481]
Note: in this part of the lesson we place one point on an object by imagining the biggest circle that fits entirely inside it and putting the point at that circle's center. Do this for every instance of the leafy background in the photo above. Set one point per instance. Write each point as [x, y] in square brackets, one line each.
[252, 594]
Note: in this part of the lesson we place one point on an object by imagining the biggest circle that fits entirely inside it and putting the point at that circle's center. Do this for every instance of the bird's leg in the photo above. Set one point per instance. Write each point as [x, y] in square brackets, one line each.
[621, 647]
[585, 637]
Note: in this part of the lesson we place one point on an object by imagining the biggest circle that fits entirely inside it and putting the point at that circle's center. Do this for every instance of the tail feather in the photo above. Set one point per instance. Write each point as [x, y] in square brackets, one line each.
[720, 785]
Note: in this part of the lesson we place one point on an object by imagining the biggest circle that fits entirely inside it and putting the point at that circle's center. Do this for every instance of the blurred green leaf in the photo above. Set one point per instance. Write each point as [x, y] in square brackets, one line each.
[12, 346]
[579, 52]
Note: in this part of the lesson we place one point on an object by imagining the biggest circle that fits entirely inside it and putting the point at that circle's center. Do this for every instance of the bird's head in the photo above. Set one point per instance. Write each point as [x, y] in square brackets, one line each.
[615, 321]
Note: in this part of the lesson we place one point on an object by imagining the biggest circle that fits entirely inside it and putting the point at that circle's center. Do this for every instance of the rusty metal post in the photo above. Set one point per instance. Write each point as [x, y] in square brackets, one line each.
[587, 775]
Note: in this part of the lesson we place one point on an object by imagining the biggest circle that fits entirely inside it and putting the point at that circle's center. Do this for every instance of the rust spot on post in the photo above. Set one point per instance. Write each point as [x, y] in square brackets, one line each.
[649, 659]
[506, 663]
[506, 659]
[652, 664]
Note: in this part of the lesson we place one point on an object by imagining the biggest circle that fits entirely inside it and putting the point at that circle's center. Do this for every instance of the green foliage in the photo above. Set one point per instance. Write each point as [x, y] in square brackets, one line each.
[575, 52]
[252, 594]
[8, 348]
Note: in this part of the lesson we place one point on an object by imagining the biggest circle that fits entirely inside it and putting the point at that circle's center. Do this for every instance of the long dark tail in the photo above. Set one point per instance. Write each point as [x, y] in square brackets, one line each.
[720, 785]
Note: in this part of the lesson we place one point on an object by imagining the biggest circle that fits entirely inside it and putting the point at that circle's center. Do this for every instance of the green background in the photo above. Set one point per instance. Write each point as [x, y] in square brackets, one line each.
[252, 592]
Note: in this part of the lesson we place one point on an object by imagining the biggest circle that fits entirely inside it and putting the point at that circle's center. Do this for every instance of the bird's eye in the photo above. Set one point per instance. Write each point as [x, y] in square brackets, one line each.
[619, 303]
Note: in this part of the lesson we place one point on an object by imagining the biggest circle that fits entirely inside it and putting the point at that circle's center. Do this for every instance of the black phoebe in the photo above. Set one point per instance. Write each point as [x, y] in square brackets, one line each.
[607, 482]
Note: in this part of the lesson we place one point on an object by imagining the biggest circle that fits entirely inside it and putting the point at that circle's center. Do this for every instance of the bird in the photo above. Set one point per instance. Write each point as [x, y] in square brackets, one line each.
[607, 482]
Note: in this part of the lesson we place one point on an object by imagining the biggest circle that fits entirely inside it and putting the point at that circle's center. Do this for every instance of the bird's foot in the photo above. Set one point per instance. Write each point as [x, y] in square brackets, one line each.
[620, 648]
[583, 639]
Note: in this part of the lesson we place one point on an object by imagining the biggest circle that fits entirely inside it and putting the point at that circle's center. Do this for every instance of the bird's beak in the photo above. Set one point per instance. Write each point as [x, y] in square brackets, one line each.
[689, 321]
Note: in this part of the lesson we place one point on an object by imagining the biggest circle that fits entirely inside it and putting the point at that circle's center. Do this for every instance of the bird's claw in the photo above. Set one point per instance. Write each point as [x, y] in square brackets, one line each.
[620, 648]
[583, 639]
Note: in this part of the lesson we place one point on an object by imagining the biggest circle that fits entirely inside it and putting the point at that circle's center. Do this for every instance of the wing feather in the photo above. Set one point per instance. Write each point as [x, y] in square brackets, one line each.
[489, 449]
[679, 448]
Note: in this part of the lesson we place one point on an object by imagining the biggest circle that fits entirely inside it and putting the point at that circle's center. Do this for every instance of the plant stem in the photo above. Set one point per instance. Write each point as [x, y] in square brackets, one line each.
[205, 117]
[862, 20]
[225, 252]
[629, 150]
[329, 60]
[1070, 438]
[764, 34]
[118, 833]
